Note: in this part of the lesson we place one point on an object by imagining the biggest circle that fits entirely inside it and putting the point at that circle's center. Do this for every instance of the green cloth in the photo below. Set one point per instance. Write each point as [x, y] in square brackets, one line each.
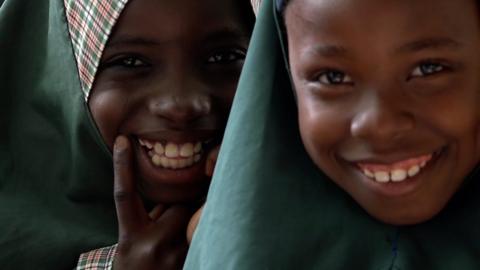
[269, 207]
[55, 171]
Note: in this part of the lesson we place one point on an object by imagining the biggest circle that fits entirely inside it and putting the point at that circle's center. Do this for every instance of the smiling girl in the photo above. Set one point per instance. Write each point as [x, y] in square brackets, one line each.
[165, 80]
[362, 152]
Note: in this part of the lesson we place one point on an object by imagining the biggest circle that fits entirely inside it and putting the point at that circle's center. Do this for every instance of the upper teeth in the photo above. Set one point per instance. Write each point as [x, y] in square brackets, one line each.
[397, 172]
[172, 155]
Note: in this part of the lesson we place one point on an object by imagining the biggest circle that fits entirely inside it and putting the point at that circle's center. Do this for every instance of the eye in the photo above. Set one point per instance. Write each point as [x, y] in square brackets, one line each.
[132, 62]
[427, 69]
[227, 56]
[127, 62]
[334, 77]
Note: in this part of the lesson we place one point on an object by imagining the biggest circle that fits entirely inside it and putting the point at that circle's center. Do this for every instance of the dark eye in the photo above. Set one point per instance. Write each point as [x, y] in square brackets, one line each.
[226, 57]
[427, 69]
[334, 77]
[127, 62]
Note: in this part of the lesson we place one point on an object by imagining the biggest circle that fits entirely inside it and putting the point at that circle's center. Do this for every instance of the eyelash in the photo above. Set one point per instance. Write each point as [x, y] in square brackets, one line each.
[332, 77]
[428, 68]
[226, 56]
[126, 61]
[425, 69]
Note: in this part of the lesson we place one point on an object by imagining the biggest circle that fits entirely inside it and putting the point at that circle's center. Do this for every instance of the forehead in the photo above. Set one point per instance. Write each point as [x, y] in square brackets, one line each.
[366, 18]
[180, 17]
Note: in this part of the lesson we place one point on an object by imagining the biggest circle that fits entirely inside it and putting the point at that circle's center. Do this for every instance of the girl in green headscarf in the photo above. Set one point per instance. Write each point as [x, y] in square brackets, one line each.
[383, 96]
[77, 74]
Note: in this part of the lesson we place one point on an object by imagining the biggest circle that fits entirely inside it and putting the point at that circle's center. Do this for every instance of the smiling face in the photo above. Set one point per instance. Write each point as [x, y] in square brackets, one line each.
[167, 79]
[388, 98]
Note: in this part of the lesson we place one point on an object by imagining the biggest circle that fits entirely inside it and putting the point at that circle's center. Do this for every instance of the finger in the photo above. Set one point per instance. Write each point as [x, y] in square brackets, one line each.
[175, 258]
[130, 210]
[157, 212]
[173, 224]
[193, 223]
[211, 161]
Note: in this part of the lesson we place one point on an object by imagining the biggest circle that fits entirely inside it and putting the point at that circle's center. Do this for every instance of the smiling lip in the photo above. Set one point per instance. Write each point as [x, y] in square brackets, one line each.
[396, 178]
[192, 172]
[151, 173]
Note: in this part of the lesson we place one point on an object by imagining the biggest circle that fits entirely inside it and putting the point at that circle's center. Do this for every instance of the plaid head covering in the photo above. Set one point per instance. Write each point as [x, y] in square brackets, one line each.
[90, 25]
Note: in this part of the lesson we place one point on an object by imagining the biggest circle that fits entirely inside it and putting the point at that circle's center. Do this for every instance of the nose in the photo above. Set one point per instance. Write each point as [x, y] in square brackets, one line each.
[180, 107]
[382, 122]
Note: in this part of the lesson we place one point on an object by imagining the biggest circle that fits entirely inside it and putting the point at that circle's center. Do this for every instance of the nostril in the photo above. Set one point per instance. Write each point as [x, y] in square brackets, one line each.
[381, 125]
[180, 109]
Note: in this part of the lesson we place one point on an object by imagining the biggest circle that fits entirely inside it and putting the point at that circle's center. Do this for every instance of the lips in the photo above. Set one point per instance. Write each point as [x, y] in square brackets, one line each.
[172, 155]
[397, 171]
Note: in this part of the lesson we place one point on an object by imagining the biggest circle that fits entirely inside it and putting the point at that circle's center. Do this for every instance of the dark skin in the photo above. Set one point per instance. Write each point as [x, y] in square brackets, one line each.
[155, 240]
[167, 77]
[397, 83]
[146, 241]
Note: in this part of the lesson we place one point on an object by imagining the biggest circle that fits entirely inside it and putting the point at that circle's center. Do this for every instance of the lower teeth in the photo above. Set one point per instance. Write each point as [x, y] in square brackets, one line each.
[164, 162]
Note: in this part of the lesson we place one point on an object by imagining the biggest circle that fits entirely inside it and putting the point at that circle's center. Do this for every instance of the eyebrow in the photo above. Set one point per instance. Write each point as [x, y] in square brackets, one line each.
[128, 40]
[328, 51]
[221, 34]
[227, 33]
[435, 43]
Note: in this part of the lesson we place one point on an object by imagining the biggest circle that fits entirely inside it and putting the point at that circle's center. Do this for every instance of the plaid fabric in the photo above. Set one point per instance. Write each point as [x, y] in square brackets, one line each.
[90, 24]
[99, 259]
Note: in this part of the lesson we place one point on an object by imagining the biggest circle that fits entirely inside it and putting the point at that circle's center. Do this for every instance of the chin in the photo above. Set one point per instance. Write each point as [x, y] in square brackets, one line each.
[405, 216]
[168, 194]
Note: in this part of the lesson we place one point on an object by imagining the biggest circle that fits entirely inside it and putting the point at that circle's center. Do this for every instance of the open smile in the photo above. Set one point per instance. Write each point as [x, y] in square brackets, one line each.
[171, 155]
[169, 162]
[399, 177]
[397, 171]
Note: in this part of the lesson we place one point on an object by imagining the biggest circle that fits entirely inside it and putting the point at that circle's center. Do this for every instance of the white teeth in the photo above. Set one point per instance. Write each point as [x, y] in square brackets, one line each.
[172, 155]
[197, 148]
[171, 150]
[190, 161]
[156, 159]
[159, 149]
[186, 150]
[382, 177]
[423, 164]
[148, 145]
[173, 163]
[182, 163]
[414, 170]
[398, 175]
[164, 162]
[368, 173]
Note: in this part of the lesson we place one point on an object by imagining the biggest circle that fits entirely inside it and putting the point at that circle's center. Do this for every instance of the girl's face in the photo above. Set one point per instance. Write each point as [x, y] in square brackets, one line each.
[167, 79]
[388, 98]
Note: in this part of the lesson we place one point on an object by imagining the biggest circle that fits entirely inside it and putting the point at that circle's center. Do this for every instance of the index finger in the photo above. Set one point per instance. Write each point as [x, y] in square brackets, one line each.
[130, 210]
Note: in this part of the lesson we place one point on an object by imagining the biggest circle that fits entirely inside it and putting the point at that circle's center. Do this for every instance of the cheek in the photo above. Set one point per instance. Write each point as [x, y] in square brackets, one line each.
[107, 112]
[322, 127]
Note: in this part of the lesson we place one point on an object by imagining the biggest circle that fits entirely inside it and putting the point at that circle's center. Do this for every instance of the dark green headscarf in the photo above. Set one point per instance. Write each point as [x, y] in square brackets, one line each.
[269, 206]
[55, 170]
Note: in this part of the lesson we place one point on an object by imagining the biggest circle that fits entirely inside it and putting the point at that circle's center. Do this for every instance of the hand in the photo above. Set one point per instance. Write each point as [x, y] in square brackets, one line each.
[209, 168]
[146, 241]
[212, 160]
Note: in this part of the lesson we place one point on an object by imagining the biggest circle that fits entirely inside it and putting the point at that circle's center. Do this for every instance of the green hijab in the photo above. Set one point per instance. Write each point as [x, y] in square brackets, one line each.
[269, 207]
[55, 171]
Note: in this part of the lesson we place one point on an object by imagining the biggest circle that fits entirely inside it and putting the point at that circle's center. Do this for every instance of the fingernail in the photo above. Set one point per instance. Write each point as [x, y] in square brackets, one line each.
[120, 143]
